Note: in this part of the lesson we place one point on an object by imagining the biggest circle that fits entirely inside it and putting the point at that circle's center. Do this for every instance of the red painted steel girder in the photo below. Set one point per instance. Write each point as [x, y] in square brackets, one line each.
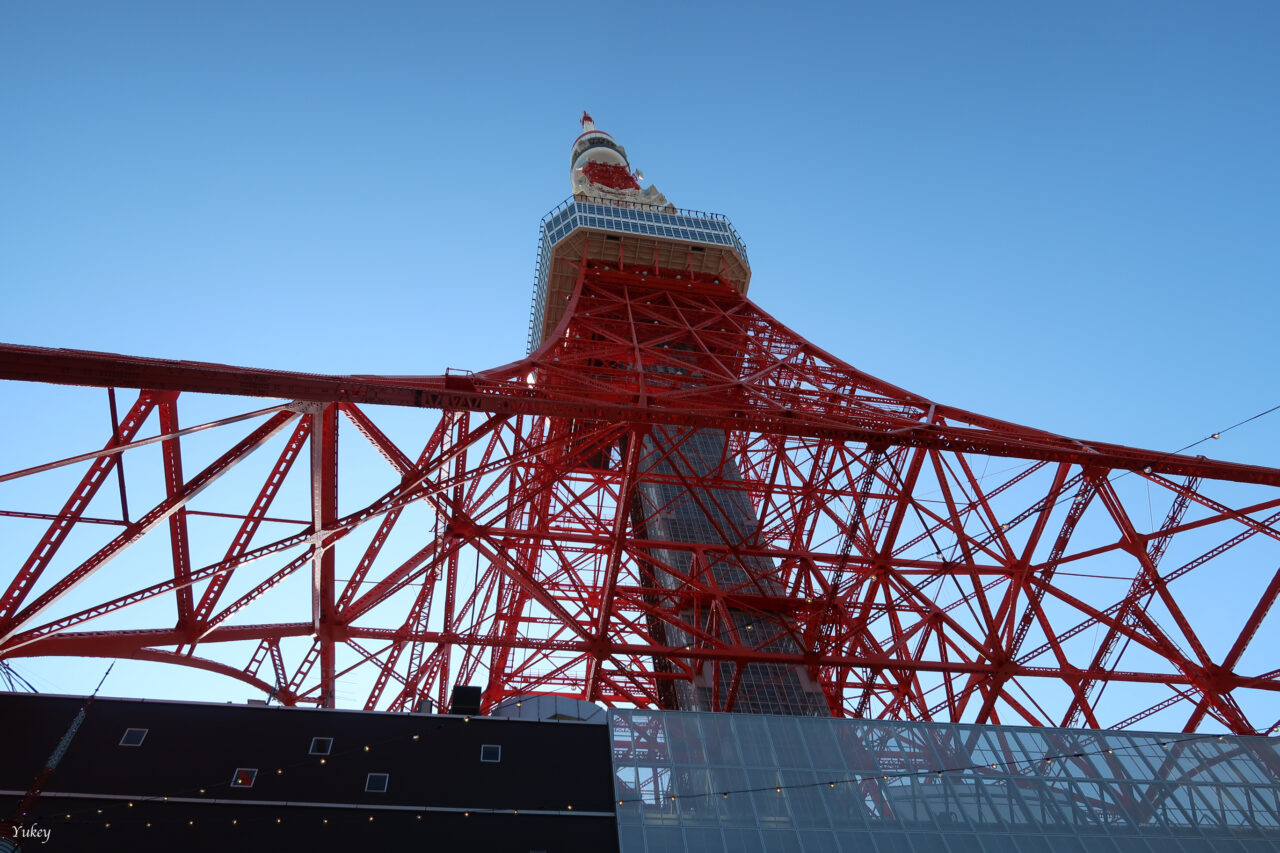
[503, 391]
[492, 537]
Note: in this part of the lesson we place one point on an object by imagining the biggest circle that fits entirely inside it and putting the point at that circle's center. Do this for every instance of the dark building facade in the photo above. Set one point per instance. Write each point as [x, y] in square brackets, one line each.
[151, 775]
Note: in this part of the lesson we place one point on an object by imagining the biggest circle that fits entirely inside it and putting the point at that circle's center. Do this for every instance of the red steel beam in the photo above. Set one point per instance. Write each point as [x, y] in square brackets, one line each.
[501, 396]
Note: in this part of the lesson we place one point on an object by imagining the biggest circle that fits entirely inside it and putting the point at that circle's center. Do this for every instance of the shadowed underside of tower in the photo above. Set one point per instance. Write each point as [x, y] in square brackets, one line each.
[672, 501]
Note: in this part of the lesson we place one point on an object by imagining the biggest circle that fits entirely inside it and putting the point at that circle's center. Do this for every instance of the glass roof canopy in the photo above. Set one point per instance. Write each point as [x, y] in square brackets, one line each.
[702, 781]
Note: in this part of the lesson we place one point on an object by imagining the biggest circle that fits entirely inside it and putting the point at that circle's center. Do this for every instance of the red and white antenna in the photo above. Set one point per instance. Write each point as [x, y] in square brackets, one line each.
[599, 169]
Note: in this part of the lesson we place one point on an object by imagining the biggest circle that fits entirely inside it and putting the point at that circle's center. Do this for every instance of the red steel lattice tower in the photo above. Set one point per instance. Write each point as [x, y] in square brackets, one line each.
[672, 501]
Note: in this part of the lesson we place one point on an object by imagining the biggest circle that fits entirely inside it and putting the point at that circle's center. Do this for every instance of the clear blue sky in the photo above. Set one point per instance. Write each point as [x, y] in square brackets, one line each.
[1065, 215]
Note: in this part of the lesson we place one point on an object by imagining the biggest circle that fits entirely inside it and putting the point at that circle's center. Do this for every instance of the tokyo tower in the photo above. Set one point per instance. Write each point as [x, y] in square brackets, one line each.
[672, 501]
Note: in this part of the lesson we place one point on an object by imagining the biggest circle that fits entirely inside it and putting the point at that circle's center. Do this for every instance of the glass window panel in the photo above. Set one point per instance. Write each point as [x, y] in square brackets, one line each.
[685, 739]
[847, 807]
[1031, 843]
[1079, 796]
[779, 840]
[701, 840]
[753, 740]
[772, 808]
[788, 745]
[1064, 844]
[855, 841]
[890, 841]
[736, 809]
[664, 837]
[631, 839]
[806, 799]
[957, 843]
[1132, 844]
[719, 740]
[819, 739]
[1257, 845]
[1195, 845]
[816, 841]
[746, 840]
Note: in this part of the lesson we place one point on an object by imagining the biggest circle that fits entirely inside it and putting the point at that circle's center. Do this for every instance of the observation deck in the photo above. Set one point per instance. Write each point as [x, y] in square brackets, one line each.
[632, 235]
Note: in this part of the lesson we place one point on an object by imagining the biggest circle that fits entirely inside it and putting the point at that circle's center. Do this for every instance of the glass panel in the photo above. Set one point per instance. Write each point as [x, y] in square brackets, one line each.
[1049, 791]
[812, 841]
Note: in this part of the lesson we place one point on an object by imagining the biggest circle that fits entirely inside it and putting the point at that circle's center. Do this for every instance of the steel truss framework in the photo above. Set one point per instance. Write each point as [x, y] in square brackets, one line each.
[925, 562]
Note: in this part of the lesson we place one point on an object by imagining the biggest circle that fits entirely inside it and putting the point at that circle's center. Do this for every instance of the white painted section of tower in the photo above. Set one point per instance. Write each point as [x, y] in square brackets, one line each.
[597, 146]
